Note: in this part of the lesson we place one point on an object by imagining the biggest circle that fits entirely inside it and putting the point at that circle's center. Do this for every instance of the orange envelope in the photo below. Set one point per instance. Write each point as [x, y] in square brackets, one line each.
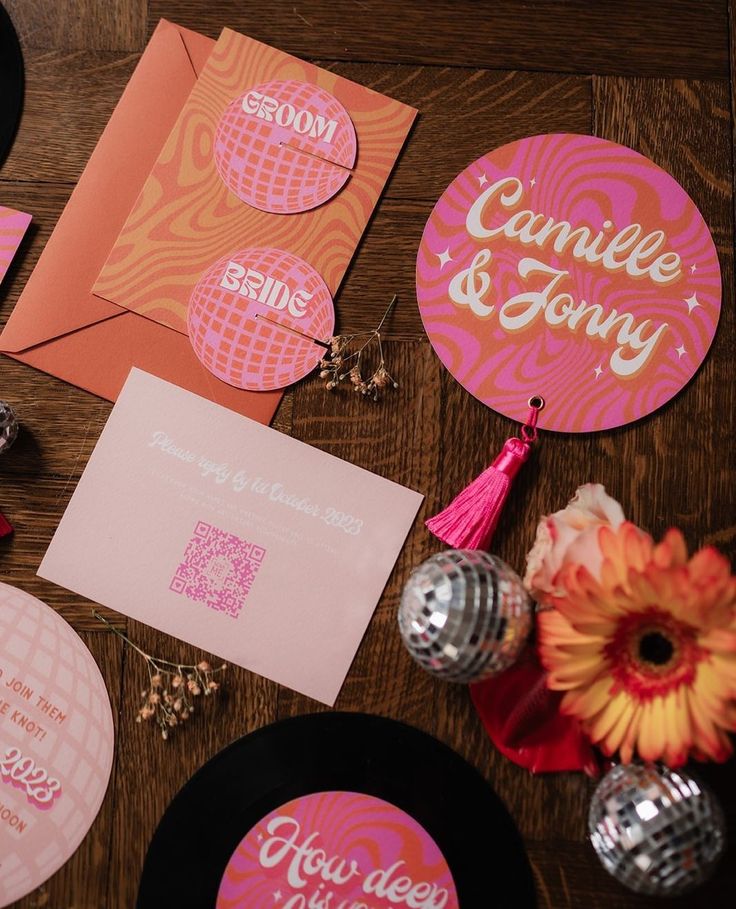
[58, 325]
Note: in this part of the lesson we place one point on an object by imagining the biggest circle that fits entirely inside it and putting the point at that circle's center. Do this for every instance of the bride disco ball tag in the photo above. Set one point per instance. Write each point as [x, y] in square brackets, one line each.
[573, 268]
[253, 317]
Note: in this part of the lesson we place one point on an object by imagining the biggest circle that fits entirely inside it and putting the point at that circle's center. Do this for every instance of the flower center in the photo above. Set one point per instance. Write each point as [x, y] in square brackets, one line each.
[652, 654]
[655, 648]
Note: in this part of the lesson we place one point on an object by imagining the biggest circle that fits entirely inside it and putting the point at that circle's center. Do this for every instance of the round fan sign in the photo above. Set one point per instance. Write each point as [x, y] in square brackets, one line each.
[56, 742]
[254, 315]
[285, 146]
[571, 268]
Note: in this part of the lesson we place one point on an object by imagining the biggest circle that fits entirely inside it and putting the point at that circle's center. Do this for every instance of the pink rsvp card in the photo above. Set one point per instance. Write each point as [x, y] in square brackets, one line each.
[232, 536]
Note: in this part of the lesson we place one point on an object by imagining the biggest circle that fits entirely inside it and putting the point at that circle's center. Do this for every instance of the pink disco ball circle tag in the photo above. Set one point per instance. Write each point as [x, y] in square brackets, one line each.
[285, 146]
[572, 268]
[252, 316]
[332, 849]
[56, 742]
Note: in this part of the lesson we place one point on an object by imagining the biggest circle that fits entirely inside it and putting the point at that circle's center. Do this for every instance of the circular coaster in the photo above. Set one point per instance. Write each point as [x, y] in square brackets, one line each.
[249, 312]
[572, 268]
[285, 146]
[56, 742]
[338, 809]
[11, 82]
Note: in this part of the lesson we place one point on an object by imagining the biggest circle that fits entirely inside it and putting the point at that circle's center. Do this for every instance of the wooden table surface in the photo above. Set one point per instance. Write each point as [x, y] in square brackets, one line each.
[655, 76]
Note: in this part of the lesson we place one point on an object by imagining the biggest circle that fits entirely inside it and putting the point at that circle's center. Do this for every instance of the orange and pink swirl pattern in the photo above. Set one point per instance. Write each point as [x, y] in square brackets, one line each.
[356, 847]
[602, 190]
[186, 217]
[13, 225]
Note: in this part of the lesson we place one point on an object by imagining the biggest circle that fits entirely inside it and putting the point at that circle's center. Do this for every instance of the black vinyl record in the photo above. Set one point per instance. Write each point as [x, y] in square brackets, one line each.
[11, 83]
[231, 820]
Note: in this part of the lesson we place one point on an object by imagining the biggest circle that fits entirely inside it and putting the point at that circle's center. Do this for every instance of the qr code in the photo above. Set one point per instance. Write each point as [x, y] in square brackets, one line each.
[218, 569]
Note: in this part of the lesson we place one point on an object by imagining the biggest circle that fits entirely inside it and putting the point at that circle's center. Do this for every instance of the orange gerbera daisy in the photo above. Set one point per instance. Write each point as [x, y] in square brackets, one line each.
[646, 655]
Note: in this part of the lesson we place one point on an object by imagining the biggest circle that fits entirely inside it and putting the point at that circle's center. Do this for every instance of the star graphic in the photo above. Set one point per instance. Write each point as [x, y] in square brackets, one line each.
[260, 837]
[277, 896]
[482, 179]
[532, 181]
[598, 370]
[692, 302]
[444, 257]
[693, 268]
[680, 350]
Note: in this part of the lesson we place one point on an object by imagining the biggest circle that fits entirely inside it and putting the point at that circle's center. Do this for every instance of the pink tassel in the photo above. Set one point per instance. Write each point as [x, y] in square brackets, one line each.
[470, 520]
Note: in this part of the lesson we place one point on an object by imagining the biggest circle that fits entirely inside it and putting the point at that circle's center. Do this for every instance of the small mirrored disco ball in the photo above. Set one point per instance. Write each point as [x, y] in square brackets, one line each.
[8, 427]
[464, 615]
[657, 831]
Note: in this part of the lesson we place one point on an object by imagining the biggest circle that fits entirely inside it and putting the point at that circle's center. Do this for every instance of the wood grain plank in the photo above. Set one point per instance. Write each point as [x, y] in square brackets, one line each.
[466, 112]
[86, 873]
[86, 24]
[69, 97]
[680, 458]
[660, 38]
[151, 771]
[71, 94]
[569, 876]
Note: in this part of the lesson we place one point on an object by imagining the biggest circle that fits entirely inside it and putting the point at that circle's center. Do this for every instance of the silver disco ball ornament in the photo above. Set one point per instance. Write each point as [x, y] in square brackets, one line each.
[464, 615]
[8, 427]
[657, 831]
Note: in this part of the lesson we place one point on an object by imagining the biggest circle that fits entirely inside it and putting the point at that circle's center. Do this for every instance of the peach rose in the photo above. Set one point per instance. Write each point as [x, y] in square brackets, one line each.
[570, 535]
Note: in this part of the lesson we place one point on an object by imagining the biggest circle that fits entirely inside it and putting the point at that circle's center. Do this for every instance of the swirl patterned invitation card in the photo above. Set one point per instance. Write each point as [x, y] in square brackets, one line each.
[268, 151]
[230, 535]
[572, 268]
[56, 742]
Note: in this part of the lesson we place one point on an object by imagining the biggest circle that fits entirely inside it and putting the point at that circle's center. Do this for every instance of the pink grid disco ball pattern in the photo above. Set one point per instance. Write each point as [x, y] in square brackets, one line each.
[249, 352]
[41, 651]
[254, 160]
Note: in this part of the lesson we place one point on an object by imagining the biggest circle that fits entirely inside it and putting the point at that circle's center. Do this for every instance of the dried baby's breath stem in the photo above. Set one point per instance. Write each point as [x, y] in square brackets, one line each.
[335, 365]
[169, 700]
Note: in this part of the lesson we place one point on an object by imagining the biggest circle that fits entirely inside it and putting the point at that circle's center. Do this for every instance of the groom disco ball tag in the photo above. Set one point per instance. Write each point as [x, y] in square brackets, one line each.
[573, 268]
[285, 146]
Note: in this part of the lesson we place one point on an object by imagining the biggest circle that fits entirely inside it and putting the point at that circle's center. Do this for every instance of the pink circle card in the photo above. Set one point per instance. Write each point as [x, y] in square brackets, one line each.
[332, 849]
[251, 317]
[56, 742]
[285, 146]
[573, 268]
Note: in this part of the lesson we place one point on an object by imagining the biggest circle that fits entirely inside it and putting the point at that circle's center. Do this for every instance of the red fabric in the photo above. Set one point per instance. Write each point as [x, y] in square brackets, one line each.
[6, 527]
[522, 718]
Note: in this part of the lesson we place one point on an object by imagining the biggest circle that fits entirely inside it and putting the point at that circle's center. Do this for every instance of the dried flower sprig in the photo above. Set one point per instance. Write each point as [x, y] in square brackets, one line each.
[169, 699]
[337, 364]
